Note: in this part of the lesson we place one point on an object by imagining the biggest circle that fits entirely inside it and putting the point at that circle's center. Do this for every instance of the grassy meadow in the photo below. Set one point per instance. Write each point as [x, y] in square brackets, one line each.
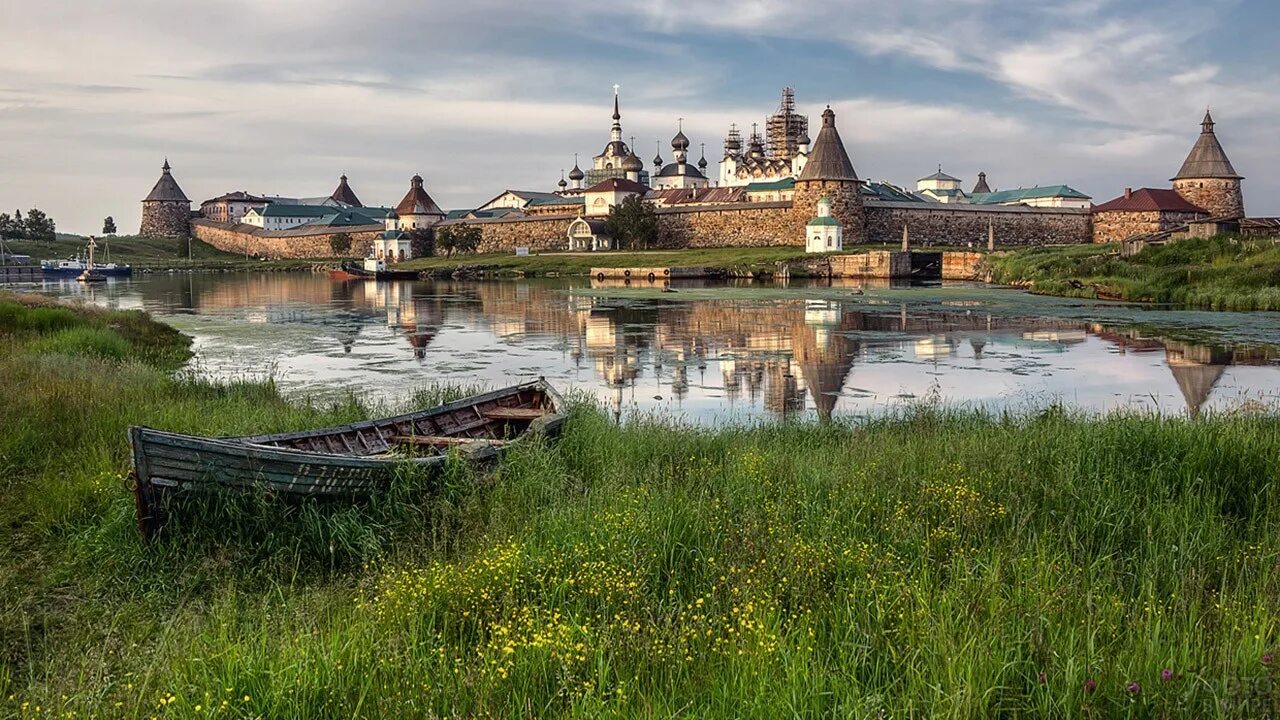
[150, 253]
[1222, 273]
[742, 259]
[932, 564]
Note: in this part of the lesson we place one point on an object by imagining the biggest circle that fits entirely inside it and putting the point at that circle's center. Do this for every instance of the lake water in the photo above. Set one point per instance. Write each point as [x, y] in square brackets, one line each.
[713, 353]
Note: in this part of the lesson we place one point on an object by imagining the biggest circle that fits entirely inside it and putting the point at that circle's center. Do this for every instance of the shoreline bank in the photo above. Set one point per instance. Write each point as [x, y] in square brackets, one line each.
[954, 564]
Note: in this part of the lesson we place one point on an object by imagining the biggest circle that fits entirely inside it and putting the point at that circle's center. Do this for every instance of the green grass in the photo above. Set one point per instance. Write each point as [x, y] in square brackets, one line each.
[933, 564]
[1223, 273]
[754, 259]
[151, 253]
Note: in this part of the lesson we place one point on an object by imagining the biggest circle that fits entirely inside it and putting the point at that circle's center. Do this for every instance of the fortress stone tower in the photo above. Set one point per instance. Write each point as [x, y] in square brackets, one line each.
[1207, 178]
[166, 212]
[830, 174]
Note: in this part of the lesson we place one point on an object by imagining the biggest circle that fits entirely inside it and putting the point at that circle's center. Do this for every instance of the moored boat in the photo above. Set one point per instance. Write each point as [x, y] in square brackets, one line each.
[377, 269]
[348, 461]
[73, 267]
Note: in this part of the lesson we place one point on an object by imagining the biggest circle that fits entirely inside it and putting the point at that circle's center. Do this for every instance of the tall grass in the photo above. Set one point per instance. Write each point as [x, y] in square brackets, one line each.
[1222, 273]
[932, 564]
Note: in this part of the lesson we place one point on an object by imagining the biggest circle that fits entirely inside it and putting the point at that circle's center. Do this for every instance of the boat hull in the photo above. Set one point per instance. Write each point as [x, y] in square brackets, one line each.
[125, 271]
[359, 272]
[349, 461]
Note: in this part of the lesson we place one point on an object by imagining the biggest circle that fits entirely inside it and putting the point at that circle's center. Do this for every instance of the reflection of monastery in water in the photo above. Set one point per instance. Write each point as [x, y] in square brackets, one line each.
[785, 355]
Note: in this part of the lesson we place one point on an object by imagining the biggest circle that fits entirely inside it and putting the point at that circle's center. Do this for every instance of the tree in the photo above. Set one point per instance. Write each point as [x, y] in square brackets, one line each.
[39, 226]
[458, 238]
[340, 243]
[18, 225]
[109, 226]
[8, 230]
[467, 238]
[633, 223]
[422, 242]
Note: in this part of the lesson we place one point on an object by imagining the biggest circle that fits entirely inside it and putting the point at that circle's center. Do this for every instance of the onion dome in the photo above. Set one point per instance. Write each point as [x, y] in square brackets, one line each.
[804, 139]
[616, 115]
[633, 163]
[576, 173]
[702, 162]
[657, 160]
[680, 142]
[562, 184]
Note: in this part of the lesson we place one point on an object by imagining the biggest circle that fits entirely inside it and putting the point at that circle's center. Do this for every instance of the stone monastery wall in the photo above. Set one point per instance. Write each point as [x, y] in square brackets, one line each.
[731, 225]
[1114, 226]
[962, 224]
[295, 243]
[737, 225]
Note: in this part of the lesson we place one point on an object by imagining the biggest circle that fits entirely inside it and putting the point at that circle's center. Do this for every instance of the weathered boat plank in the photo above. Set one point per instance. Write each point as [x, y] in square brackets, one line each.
[345, 461]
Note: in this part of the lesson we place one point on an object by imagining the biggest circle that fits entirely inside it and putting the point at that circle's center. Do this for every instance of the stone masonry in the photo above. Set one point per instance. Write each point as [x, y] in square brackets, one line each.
[1119, 225]
[936, 224]
[164, 219]
[731, 225]
[846, 206]
[738, 225]
[276, 244]
[1222, 197]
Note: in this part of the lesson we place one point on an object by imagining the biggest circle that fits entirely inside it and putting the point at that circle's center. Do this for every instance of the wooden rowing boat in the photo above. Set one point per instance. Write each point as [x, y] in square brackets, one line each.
[348, 461]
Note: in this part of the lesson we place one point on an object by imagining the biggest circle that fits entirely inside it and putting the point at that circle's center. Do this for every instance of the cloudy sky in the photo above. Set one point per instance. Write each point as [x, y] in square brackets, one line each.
[282, 96]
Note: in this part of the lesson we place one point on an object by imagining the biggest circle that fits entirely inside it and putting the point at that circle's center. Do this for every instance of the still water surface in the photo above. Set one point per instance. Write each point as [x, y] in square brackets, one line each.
[716, 353]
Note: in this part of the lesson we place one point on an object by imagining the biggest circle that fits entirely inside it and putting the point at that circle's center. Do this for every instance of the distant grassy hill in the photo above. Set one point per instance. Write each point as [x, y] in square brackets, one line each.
[1222, 273]
[143, 252]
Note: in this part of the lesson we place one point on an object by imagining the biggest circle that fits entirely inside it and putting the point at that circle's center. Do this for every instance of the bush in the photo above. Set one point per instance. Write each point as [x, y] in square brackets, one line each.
[340, 243]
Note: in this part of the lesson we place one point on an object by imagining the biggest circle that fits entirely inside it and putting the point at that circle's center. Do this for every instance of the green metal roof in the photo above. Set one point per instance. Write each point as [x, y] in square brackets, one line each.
[555, 200]
[885, 191]
[1021, 194]
[820, 221]
[783, 184]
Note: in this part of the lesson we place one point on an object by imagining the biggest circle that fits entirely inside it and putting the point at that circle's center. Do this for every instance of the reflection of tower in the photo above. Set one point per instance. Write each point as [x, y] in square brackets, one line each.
[783, 393]
[977, 344]
[617, 403]
[1196, 370]
[824, 353]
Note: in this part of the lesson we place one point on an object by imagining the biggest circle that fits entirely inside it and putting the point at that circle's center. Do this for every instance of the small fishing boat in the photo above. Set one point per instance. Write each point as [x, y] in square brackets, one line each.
[74, 267]
[349, 461]
[377, 269]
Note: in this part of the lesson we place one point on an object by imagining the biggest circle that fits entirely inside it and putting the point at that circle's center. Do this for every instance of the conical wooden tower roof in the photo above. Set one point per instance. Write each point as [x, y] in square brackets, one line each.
[1207, 158]
[828, 160]
[417, 201]
[344, 194]
[166, 189]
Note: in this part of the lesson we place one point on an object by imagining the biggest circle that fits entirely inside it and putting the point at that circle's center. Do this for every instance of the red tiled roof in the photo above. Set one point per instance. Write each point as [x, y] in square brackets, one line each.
[1150, 200]
[618, 184]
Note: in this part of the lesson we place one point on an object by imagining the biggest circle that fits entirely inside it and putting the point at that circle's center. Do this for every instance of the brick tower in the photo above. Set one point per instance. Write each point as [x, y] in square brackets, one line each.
[166, 212]
[1207, 178]
[830, 174]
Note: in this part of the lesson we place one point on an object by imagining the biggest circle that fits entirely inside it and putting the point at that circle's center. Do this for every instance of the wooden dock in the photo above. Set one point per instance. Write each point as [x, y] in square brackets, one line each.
[649, 274]
[20, 273]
